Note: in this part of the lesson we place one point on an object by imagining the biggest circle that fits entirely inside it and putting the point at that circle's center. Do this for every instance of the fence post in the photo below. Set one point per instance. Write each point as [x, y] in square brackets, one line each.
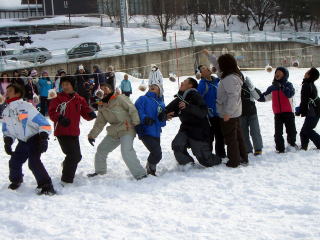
[231, 36]
[147, 42]
[122, 49]
[212, 39]
[265, 36]
[170, 39]
[281, 36]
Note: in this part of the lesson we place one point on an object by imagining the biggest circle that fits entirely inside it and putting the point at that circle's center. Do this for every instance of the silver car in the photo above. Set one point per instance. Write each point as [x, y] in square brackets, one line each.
[28, 54]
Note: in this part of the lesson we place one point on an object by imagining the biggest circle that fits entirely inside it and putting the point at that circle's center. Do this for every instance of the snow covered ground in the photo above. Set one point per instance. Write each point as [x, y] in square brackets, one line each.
[276, 197]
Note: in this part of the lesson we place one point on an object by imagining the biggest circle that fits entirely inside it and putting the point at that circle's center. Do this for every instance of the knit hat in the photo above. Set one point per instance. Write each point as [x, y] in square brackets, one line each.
[314, 74]
[34, 73]
[60, 71]
[44, 72]
[68, 79]
[160, 87]
[285, 72]
[81, 67]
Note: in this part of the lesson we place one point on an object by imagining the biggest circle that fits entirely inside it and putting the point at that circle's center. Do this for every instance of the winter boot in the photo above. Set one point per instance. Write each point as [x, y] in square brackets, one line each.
[257, 152]
[90, 175]
[14, 185]
[151, 169]
[47, 190]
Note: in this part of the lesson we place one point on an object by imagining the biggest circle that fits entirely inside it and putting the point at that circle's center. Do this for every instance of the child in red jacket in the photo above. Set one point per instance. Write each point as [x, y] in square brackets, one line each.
[281, 93]
[65, 111]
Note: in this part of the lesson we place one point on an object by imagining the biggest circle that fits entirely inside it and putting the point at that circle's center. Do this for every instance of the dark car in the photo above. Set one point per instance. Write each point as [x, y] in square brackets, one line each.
[84, 50]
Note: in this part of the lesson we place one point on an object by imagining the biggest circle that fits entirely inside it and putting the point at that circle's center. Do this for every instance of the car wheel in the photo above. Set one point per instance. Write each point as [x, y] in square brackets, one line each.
[41, 59]
[14, 59]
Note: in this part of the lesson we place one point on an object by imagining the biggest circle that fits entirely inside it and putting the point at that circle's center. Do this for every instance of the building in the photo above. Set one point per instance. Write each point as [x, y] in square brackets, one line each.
[63, 7]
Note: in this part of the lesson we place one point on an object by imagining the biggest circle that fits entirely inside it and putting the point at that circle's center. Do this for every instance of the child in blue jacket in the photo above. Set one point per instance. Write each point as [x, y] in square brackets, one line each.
[44, 84]
[152, 115]
[126, 88]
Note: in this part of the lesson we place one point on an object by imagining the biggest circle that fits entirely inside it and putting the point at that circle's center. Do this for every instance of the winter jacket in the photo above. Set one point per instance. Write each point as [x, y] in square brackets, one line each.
[282, 97]
[30, 90]
[3, 87]
[83, 85]
[18, 81]
[120, 113]
[310, 101]
[208, 90]
[75, 106]
[98, 78]
[21, 121]
[249, 95]
[126, 86]
[45, 84]
[194, 120]
[111, 79]
[229, 92]
[150, 106]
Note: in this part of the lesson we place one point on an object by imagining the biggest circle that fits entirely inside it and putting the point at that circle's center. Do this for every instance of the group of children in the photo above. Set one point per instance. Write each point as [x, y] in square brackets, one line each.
[220, 110]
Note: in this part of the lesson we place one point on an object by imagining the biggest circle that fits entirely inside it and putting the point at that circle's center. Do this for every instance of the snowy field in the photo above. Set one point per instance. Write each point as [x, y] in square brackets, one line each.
[276, 197]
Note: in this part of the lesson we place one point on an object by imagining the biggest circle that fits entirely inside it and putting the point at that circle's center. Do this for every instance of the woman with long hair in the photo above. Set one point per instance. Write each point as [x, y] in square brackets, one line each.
[229, 107]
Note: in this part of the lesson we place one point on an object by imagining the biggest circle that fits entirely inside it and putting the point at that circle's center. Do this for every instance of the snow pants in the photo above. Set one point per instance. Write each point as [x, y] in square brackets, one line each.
[308, 133]
[250, 124]
[288, 120]
[70, 146]
[154, 147]
[129, 155]
[200, 149]
[217, 137]
[28, 151]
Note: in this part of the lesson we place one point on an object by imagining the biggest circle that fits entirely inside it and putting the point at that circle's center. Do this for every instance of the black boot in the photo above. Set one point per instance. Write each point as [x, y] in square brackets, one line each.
[14, 185]
[47, 190]
[90, 175]
[151, 169]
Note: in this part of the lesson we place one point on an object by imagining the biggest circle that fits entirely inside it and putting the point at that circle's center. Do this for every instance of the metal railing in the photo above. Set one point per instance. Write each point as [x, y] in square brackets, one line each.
[155, 44]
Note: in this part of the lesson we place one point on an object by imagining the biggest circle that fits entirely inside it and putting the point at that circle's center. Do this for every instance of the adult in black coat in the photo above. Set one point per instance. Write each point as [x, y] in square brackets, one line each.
[84, 85]
[310, 109]
[194, 131]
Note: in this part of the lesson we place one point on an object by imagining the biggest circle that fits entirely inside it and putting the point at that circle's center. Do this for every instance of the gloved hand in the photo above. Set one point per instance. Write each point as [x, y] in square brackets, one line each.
[92, 115]
[277, 84]
[43, 142]
[297, 111]
[148, 121]
[8, 141]
[162, 116]
[64, 121]
[91, 141]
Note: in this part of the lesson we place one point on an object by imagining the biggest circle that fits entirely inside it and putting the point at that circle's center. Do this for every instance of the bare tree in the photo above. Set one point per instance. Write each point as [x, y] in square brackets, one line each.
[206, 10]
[166, 15]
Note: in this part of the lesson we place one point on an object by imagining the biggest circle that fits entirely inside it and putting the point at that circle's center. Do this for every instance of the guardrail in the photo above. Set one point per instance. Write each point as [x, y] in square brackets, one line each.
[155, 44]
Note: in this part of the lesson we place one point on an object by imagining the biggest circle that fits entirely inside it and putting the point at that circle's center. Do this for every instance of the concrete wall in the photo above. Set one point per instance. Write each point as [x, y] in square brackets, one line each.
[249, 55]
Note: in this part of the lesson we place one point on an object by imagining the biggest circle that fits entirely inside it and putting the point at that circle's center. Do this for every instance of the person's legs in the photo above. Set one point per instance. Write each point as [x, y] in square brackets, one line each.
[154, 147]
[244, 123]
[278, 127]
[71, 147]
[107, 145]
[255, 133]
[18, 158]
[212, 137]
[219, 140]
[307, 132]
[203, 153]
[289, 122]
[43, 104]
[179, 146]
[242, 146]
[130, 157]
[229, 130]
[35, 165]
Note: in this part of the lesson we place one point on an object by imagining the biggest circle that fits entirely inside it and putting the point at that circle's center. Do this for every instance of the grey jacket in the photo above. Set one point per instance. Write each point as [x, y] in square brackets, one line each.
[229, 93]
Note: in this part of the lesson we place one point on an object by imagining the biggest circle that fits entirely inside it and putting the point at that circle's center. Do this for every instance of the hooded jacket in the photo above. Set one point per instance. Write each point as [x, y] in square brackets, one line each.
[45, 84]
[281, 96]
[310, 101]
[208, 90]
[21, 120]
[120, 113]
[194, 119]
[150, 106]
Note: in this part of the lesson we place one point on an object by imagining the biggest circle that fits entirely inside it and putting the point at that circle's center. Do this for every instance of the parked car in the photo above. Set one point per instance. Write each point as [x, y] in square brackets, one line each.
[302, 39]
[27, 54]
[84, 50]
